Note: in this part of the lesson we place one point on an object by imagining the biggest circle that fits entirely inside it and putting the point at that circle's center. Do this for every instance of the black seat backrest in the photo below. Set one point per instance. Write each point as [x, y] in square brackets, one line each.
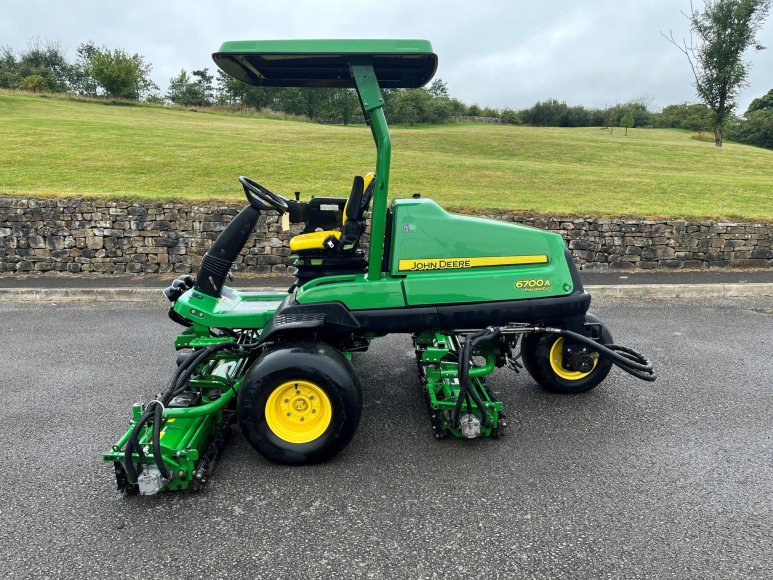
[354, 205]
[359, 200]
[358, 203]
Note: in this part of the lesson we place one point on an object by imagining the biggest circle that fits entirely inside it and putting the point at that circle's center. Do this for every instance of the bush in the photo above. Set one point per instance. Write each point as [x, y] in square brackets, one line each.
[419, 106]
[473, 111]
[762, 103]
[510, 117]
[35, 84]
[755, 129]
[694, 117]
[121, 75]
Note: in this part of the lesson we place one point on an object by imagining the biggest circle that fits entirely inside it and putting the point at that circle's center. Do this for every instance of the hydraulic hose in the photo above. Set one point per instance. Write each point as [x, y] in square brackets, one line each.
[159, 460]
[176, 384]
[478, 403]
[132, 446]
[632, 362]
[464, 369]
[464, 363]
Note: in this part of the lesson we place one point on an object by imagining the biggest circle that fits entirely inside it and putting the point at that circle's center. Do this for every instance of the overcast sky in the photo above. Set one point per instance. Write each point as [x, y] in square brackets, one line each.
[505, 53]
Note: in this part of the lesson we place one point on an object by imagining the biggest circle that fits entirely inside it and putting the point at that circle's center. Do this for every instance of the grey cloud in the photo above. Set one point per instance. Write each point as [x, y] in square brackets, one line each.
[493, 53]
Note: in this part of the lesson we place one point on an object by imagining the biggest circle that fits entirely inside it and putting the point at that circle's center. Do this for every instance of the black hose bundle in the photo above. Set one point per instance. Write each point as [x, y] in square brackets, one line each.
[465, 387]
[155, 409]
[632, 362]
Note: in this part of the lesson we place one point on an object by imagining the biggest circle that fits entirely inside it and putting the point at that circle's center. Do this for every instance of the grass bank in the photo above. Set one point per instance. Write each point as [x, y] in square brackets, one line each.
[69, 147]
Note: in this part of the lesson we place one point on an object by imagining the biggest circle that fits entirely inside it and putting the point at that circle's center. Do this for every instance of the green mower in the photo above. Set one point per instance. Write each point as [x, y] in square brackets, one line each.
[475, 294]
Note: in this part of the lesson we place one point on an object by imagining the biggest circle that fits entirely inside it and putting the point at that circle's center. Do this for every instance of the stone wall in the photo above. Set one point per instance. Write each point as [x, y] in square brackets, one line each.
[87, 235]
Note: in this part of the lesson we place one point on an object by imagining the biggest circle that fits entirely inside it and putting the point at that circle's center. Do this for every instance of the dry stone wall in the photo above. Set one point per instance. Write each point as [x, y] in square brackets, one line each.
[87, 235]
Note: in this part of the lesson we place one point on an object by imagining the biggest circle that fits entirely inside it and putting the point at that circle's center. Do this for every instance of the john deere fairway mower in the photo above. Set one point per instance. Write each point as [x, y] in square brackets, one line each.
[475, 294]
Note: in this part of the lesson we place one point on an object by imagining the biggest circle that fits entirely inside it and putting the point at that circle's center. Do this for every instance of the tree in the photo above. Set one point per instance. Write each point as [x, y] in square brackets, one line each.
[756, 127]
[764, 103]
[510, 117]
[41, 59]
[8, 68]
[121, 75]
[438, 89]
[226, 88]
[693, 117]
[627, 121]
[343, 104]
[195, 91]
[720, 35]
[179, 87]
[489, 112]
[205, 90]
[473, 110]
[412, 106]
[81, 80]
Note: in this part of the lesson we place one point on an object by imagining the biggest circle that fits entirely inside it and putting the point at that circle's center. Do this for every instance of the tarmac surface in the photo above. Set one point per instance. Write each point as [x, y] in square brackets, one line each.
[670, 479]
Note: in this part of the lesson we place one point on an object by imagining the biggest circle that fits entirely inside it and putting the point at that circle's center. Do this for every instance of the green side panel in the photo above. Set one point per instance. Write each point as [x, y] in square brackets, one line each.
[450, 245]
[398, 63]
[356, 292]
[234, 309]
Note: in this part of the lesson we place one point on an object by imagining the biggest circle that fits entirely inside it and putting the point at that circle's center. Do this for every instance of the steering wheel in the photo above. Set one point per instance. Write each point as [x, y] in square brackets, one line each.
[261, 198]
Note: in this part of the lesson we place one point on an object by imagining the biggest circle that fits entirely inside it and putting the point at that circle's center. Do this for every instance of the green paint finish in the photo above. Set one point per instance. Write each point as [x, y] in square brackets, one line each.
[440, 369]
[424, 230]
[325, 63]
[183, 442]
[186, 432]
[373, 107]
[356, 292]
[329, 46]
[234, 309]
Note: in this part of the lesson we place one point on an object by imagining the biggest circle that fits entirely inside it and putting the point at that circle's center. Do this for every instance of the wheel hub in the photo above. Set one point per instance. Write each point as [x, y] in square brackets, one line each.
[577, 366]
[298, 411]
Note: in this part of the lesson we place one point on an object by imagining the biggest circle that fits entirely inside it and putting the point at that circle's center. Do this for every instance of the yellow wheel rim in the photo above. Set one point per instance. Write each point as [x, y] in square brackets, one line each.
[557, 358]
[298, 411]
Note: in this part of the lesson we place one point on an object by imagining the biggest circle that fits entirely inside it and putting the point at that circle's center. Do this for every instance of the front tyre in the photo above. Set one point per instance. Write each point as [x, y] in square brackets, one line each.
[300, 403]
[542, 356]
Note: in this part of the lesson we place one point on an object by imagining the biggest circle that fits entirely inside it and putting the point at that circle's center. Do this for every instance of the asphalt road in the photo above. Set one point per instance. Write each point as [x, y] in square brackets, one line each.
[661, 480]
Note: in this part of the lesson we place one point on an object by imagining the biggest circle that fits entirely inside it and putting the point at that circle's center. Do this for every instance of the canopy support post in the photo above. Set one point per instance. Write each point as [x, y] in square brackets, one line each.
[372, 103]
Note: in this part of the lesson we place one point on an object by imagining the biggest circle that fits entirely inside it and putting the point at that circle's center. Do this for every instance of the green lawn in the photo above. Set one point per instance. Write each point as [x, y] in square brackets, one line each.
[59, 147]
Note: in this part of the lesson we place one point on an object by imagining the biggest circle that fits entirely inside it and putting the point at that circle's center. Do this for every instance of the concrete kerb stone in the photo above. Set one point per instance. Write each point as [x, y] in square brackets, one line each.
[632, 291]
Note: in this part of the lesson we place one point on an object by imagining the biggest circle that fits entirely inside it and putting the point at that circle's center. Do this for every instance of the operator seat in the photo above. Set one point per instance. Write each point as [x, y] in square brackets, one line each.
[333, 252]
[353, 222]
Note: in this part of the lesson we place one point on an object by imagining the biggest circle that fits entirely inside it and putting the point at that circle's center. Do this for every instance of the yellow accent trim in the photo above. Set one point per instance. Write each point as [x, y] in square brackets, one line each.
[461, 263]
[170, 420]
[557, 358]
[298, 411]
[368, 178]
[312, 240]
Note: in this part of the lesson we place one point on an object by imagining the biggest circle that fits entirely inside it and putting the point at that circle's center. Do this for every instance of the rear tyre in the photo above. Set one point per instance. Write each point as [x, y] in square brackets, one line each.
[300, 403]
[542, 357]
